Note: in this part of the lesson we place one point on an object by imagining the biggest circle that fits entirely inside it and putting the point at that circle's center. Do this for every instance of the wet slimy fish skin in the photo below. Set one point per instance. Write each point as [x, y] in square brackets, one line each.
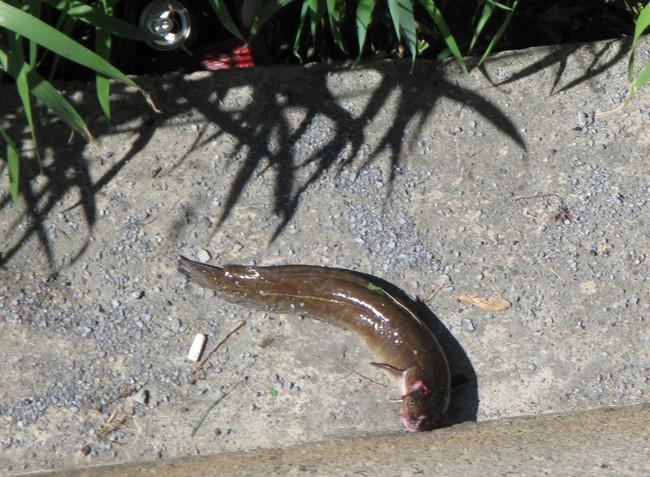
[401, 342]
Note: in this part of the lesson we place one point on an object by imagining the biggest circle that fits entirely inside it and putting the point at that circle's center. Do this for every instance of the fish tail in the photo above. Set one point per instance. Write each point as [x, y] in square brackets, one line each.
[205, 275]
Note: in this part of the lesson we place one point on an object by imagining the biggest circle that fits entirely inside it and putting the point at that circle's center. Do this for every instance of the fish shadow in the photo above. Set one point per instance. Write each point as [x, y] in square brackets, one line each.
[464, 385]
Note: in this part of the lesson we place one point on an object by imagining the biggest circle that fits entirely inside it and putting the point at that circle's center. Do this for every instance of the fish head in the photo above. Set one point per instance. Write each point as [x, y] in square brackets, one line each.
[422, 406]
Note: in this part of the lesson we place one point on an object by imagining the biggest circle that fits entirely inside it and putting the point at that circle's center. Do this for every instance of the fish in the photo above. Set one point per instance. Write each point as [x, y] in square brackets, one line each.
[400, 341]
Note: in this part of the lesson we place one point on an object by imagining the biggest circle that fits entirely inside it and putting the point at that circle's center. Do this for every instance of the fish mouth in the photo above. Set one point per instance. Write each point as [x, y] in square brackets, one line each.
[418, 424]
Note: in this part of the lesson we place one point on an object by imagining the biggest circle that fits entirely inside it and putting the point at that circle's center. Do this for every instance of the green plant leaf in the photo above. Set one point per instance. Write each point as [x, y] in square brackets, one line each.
[36, 30]
[34, 7]
[99, 18]
[267, 11]
[13, 157]
[65, 25]
[401, 13]
[393, 8]
[43, 90]
[316, 11]
[335, 10]
[16, 57]
[497, 36]
[642, 23]
[364, 12]
[221, 9]
[304, 11]
[407, 24]
[103, 49]
[640, 80]
[437, 18]
[486, 14]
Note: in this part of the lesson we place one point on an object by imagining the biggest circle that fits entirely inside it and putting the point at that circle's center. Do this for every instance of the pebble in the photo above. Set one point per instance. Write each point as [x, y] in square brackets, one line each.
[203, 256]
[469, 324]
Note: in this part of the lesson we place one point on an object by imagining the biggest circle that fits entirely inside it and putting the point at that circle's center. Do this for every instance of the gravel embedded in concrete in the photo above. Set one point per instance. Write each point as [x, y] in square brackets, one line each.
[431, 181]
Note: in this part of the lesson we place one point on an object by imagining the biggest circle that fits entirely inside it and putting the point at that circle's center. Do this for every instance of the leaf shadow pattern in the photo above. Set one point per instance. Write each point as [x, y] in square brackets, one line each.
[277, 131]
[266, 139]
[65, 170]
[559, 56]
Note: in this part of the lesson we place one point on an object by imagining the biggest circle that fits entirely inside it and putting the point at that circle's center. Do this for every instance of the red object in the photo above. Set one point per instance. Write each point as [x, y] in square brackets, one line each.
[213, 58]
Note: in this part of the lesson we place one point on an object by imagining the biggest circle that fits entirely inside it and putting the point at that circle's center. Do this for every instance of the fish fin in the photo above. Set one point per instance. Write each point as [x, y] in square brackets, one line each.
[387, 367]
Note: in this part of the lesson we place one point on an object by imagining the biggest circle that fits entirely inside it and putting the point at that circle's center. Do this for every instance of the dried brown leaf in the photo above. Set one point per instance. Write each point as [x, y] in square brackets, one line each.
[495, 303]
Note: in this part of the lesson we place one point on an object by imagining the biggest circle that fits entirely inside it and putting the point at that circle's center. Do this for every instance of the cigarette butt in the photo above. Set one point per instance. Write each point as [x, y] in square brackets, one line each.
[197, 347]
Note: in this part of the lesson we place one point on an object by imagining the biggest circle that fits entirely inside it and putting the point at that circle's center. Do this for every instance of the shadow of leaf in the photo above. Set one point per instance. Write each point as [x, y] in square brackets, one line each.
[296, 125]
[559, 56]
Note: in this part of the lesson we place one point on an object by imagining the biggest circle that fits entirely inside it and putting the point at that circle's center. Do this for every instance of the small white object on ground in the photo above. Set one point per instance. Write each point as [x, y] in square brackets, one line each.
[197, 347]
[203, 255]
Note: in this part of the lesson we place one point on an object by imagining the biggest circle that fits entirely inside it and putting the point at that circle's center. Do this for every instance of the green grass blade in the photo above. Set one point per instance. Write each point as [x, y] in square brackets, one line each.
[497, 36]
[640, 80]
[221, 9]
[267, 11]
[486, 14]
[335, 12]
[36, 30]
[65, 25]
[13, 163]
[16, 57]
[314, 10]
[365, 9]
[304, 11]
[99, 18]
[103, 49]
[393, 8]
[436, 15]
[34, 7]
[43, 90]
[642, 23]
[407, 25]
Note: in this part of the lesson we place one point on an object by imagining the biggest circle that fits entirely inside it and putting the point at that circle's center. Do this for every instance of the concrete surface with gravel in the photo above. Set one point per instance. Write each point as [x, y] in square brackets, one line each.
[504, 183]
[600, 442]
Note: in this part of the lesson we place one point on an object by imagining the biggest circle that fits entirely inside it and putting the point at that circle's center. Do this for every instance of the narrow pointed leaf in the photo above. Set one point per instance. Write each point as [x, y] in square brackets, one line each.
[499, 33]
[103, 49]
[642, 23]
[303, 20]
[16, 49]
[99, 18]
[407, 25]
[13, 164]
[267, 11]
[221, 9]
[365, 9]
[335, 16]
[43, 90]
[437, 18]
[640, 80]
[34, 7]
[315, 16]
[36, 30]
[393, 8]
[486, 14]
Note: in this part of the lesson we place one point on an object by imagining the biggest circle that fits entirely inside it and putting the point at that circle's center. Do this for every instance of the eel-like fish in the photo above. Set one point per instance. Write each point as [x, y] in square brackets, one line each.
[402, 343]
